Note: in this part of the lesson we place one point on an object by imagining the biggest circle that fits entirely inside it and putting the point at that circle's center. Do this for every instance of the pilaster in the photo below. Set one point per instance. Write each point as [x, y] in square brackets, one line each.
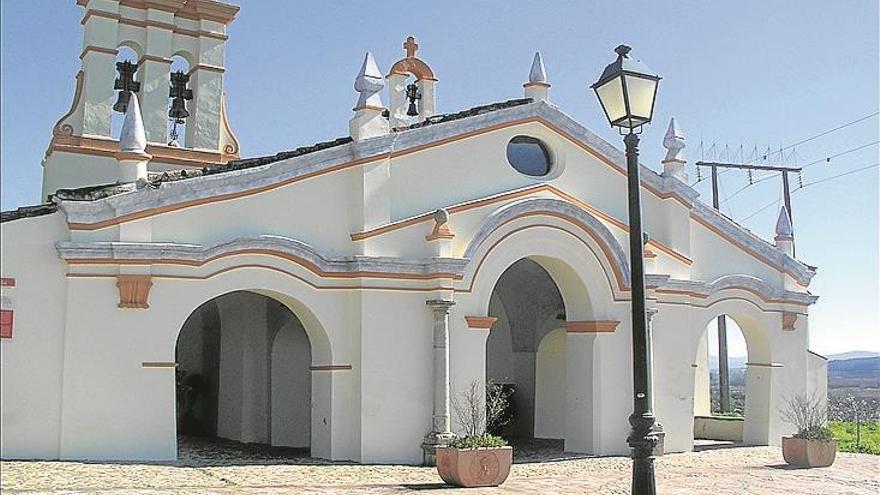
[428, 102]
[203, 124]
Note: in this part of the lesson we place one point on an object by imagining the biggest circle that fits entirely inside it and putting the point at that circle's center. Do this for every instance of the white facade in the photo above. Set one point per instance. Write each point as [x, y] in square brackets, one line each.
[315, 270]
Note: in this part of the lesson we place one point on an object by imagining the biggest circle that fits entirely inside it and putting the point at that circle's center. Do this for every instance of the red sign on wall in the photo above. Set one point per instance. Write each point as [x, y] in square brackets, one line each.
[5, 323]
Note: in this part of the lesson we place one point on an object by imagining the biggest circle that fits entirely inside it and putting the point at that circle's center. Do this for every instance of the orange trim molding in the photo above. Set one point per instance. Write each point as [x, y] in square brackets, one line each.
[134, 290]
[331, 367]
[158, 364]
[469, 205]
[64, 142]
[590, 326]
[98, 49]
[154, 58]
[206, 68]
[480, 322]
[355, 163]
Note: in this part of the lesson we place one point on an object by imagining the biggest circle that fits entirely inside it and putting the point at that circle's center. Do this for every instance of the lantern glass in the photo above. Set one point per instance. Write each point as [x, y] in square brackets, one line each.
[640, 93]
[612, 99]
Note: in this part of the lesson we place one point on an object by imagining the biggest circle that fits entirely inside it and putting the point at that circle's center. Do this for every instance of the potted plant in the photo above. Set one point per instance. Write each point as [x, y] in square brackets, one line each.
[813, 445]
[478, 458]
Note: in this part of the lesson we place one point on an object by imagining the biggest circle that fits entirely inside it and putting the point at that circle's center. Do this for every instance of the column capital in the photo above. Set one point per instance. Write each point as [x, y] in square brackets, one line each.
[440, 304]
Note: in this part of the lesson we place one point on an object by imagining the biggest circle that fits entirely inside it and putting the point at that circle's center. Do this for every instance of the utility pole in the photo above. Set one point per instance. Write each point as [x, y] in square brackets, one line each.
[723, 371]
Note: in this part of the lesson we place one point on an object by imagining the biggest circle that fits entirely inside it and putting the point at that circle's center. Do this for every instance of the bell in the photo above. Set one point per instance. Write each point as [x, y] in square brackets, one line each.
[178, 109]
[412, 93]
[412, 111]
[122, 99]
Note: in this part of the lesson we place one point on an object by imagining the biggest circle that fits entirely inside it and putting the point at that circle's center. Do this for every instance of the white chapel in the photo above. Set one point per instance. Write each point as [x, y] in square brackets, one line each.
[338, 296]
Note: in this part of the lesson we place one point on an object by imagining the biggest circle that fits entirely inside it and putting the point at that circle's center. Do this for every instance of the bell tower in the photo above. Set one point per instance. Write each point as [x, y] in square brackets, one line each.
[416, 100]
[81, 152]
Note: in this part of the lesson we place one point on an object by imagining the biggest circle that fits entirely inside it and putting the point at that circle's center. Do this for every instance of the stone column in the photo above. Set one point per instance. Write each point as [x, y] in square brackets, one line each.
[441, 431]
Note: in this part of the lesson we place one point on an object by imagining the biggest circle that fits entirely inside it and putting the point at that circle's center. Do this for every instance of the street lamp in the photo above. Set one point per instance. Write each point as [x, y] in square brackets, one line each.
[627, 90]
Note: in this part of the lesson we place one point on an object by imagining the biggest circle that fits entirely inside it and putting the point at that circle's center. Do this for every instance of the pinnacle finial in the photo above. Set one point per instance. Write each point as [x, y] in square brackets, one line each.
[623, 51]
[673, 141]
[368, 83]
[783, 224]
[538, 73]
[132, 138]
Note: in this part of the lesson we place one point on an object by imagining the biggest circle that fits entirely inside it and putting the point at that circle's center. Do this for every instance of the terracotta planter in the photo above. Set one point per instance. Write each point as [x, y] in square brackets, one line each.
[808, 453]
[469, 468]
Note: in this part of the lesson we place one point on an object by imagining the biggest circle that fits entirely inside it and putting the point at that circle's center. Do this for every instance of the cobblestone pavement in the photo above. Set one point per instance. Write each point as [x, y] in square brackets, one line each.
[211, 468]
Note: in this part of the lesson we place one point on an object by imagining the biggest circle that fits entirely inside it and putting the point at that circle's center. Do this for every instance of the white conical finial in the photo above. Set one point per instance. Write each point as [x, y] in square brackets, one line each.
[538, 73]
[783, 224]
[132, 138]
[537, 88]
[784, 239]
[368, 83]
[673, 141]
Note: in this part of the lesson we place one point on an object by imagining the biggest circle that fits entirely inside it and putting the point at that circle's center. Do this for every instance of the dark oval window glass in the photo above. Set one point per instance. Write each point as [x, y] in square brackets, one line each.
[528, 156]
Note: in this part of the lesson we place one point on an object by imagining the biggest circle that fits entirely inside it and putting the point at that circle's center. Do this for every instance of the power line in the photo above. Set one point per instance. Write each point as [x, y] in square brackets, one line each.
[874, 165]
[828, 158]
[824, 133]
[821, 160]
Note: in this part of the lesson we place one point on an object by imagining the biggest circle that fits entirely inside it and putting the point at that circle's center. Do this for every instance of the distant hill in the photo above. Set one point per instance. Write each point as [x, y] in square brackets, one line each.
[859, 369]
[733, 362]
[852, 355]
[855, 368]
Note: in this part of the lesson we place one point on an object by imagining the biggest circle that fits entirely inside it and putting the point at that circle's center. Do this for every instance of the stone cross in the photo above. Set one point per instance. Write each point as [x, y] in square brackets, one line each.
[411, 47]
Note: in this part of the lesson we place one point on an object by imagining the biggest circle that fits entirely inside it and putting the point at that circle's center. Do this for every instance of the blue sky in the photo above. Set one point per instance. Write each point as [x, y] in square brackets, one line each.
[750, 73]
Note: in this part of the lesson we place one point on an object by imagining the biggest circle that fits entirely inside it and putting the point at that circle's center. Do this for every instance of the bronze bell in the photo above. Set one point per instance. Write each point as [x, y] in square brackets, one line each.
[412, 92]
[122, 100]
[125, 83]
[179, 93]
[178, 109]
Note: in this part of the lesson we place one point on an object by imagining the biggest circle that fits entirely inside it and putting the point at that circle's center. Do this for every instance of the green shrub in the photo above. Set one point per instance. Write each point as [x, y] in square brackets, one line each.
[477, 441]
[815, 433]
[852, 437]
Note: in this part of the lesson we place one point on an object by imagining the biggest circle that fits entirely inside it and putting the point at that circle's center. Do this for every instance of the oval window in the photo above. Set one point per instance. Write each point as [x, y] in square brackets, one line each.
[528, 156]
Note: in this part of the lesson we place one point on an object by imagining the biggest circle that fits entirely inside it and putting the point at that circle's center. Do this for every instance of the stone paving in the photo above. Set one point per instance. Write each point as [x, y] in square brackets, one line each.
[212, 468]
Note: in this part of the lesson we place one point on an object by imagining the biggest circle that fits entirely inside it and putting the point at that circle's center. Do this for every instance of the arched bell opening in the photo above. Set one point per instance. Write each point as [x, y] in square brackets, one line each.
[127, 81]
[179, 100]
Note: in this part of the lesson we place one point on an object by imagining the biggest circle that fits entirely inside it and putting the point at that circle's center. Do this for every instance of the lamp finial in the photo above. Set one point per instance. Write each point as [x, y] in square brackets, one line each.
[623, 50]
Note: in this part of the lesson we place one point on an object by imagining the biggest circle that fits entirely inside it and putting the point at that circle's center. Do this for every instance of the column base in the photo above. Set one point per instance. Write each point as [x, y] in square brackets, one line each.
[429, 446]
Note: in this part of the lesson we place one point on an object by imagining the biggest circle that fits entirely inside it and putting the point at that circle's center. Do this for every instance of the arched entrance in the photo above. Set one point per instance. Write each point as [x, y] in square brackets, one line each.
[748, 418]
[525, 351]
[243, 372]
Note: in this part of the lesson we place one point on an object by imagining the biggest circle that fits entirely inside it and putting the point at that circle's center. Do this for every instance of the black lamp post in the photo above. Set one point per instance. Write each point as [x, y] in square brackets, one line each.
[627, 90]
